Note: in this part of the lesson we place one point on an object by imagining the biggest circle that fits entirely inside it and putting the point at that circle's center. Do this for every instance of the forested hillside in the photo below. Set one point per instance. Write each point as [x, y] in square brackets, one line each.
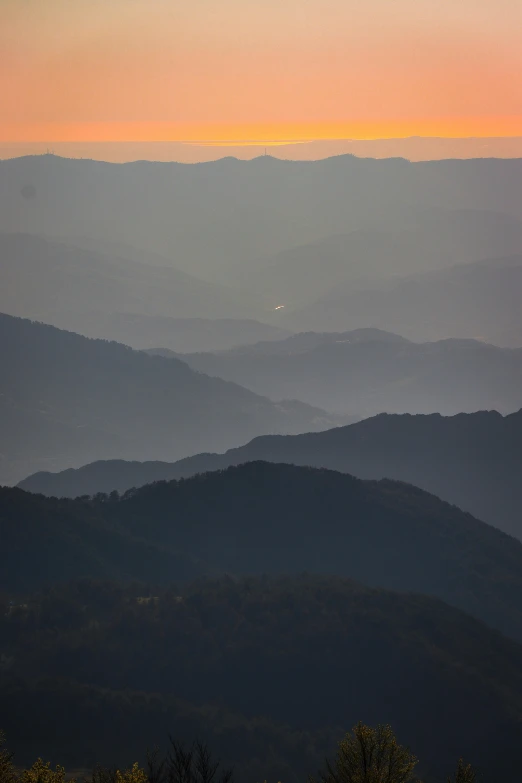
[285, 664]
[263, 518]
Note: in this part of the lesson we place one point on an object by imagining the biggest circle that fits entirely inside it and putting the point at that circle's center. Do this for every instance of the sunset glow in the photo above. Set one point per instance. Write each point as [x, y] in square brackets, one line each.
[246, 71]
[262, 134]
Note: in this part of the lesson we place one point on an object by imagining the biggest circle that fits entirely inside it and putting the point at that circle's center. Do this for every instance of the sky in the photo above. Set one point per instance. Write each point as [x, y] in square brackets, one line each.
[258, 70]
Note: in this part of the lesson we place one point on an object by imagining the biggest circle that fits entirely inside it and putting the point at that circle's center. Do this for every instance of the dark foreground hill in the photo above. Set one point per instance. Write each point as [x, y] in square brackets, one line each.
[66, 400]
[267, 518]
[368, 376]
[271, 672]
[45, 540]
[472, 460]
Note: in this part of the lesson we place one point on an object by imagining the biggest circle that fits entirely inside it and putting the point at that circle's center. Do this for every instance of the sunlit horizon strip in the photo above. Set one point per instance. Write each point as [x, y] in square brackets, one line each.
[263, 133]
[242, 142]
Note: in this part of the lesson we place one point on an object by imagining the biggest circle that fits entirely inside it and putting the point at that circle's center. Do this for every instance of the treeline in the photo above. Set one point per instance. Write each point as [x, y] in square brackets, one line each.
[366, 755]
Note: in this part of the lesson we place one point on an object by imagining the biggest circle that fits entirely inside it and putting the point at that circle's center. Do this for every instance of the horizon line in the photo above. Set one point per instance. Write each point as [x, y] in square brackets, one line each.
[255, 142]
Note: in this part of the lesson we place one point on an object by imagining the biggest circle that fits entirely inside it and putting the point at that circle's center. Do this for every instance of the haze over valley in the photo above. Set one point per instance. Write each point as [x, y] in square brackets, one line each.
[260, 414]
[67, 399]
[365, 372]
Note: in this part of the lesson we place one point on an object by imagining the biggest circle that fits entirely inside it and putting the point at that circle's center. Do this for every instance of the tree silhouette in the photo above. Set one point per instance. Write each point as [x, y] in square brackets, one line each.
[370, 755]
[194, 765]
[7, 771]
[42, 772]
[464, 774]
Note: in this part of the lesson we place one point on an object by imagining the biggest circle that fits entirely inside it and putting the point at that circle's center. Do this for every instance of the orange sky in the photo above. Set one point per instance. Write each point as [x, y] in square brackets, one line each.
[109, 70]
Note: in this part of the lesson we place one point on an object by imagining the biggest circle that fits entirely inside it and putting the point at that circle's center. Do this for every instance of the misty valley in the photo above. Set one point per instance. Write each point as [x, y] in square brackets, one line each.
[260, 470]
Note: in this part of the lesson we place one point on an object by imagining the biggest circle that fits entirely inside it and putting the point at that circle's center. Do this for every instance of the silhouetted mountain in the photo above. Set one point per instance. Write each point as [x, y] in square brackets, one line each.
[209, 217]
[472, 460]
[266, 518]
[479, 300]
[369, 376]
[85, 290]
[312, 655]
[66, 400]
[439, 239]
[121, 475]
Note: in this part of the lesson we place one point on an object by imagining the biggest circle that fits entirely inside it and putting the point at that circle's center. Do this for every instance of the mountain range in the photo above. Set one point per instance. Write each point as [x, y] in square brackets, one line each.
[477, 300]
[434, 241]
[365, 372]
[120, 293]
[66, 400]
[472, 460]
[59, 281]
[176, 335]
[270, 418]
[209, 218]
[272, 518]
[336, 244]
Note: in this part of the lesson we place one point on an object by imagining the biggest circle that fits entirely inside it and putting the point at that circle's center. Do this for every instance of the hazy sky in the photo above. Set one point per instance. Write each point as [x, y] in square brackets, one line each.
[267, 69]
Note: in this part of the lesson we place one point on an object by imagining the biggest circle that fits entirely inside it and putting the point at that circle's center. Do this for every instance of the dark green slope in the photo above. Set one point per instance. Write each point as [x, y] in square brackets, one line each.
[311, 654]
[45, 540]
[272, 518]
[118, 727]
[262, 517]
